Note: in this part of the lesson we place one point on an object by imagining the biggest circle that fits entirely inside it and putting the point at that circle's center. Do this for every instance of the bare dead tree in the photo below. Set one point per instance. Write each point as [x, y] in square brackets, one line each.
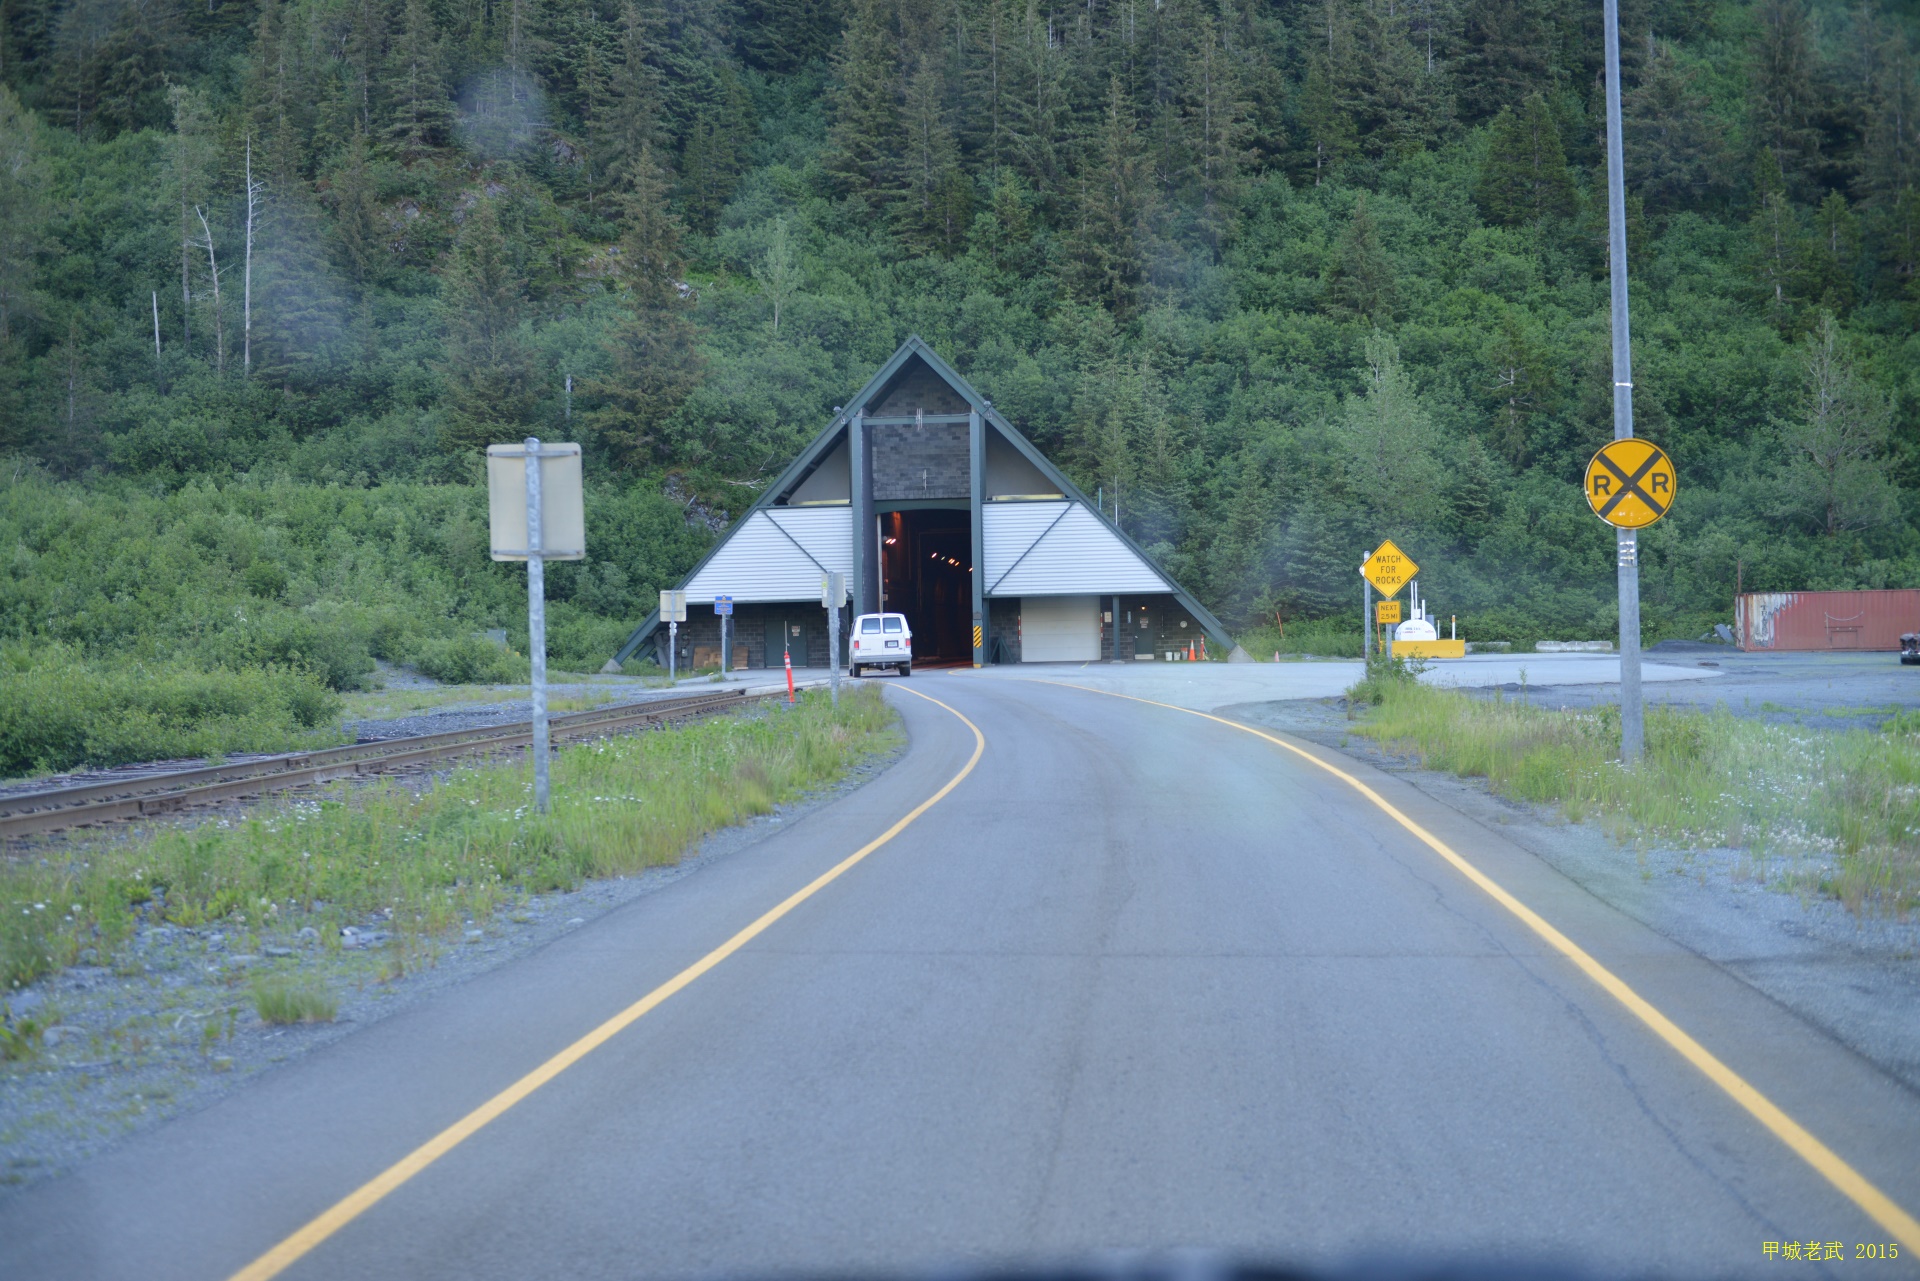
[213, 274]
[255, 188]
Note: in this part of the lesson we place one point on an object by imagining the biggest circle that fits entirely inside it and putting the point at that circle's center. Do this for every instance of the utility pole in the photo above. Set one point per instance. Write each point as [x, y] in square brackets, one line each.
[1632, 711]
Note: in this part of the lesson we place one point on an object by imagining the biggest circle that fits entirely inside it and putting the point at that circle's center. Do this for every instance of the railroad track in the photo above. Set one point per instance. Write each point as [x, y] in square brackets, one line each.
[114, 799]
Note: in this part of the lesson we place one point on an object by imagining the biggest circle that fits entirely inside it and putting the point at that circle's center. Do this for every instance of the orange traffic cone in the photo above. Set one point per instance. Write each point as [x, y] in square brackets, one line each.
[788, 651]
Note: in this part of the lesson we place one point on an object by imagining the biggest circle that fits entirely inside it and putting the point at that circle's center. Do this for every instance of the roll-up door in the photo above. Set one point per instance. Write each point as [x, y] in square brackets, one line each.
[1059, 629]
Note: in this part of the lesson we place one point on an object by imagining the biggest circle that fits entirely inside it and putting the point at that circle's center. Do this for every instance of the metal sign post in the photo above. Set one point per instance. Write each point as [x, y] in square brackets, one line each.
[1387, 568]
[536, 515]
[723, 607]
[833, 594]
[673, 608]
[1632, 711]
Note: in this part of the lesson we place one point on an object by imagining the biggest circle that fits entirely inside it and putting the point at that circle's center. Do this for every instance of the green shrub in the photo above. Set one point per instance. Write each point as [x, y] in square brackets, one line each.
[1320, 637]
[470, 660]
[58, 711]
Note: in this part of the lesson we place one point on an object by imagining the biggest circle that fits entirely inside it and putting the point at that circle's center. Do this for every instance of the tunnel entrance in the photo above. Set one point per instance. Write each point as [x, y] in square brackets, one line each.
[926, 563]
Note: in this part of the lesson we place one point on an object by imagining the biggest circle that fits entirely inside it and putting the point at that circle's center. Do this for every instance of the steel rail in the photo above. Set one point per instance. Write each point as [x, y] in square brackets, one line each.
[110, 800]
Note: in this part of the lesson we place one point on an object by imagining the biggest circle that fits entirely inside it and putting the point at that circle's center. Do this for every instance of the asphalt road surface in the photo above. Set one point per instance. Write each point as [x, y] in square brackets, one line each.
[1140, 980]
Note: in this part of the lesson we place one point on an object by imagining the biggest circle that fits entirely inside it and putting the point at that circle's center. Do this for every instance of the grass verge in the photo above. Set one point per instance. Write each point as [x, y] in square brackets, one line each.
[426, 862]
[1318, 637]
[1840, 810]
[285, 1000]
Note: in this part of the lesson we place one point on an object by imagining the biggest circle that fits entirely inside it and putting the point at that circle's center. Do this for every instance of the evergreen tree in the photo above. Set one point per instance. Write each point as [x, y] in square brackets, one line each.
[1359, 284]
[1889, 84]
[865, 131]
[488, 369]
[419, 114]
[1115, 207]
[782, 36]
[276, 106]
[653, 364]
[300, 315]
[1788, 87]
[365, 50]
[1326, 125]
[634, 118]
[356, 231]
[937, 204]
[1214, 108]
[1524, 178]
[1774, 240]
[716, 146]
[1521, 385]
[23, 213]
[1503, 59]
[1675, 159]
[1833, 254]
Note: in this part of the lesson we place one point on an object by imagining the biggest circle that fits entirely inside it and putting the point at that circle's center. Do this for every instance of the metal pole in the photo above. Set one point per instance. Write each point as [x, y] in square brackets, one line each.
[723, 647]
[1366, 619]
[537, 625]
[673, 648]
[156, 324]
[1632, 711]
[833, 653]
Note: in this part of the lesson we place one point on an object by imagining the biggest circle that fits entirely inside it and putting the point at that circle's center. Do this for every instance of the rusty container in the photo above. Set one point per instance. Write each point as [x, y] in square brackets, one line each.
[1800, 621]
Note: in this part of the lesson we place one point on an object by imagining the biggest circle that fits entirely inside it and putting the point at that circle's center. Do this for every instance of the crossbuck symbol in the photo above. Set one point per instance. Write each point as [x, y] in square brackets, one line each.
[1630, 485]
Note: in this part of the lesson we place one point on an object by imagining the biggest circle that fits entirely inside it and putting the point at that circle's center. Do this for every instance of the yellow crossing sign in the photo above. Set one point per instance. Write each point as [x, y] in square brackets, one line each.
[1630, 483]
[1388, 568]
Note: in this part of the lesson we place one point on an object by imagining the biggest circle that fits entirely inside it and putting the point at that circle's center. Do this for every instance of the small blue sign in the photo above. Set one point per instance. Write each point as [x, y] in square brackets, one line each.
[723, 605]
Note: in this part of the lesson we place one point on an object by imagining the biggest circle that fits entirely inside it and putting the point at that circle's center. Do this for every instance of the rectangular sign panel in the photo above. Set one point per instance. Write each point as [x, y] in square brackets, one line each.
[722, 605]
[673, 607]
[563, 524]
[1387, 611]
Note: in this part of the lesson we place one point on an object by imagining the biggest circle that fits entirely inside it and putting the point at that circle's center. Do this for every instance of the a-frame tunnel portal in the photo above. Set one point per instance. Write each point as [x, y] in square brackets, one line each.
[935, 507]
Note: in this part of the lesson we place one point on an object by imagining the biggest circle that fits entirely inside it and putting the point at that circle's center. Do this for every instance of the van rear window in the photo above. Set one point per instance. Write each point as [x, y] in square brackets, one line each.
[869, 624]
[893, 624]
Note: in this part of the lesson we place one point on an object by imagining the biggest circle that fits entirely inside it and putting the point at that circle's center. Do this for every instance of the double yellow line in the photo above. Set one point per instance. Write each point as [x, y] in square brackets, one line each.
[374, 1190]
[1856, 1187]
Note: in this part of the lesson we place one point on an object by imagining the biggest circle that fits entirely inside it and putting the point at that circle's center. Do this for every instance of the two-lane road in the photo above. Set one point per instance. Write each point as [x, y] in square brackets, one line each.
[1140, 980]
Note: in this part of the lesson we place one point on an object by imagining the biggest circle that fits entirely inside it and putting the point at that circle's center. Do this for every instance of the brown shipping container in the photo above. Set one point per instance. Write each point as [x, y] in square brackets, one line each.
[1825, 620]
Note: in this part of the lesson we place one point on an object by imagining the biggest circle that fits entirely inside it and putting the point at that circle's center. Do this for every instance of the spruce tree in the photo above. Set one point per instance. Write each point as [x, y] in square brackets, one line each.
[635, 114]
[1116, 197]
[23, 212]
[865, 130]
[936, 207]
[1214, 109]
[1326, 124]
[1775, 242]
[489, 371]
[1788, 86]
[1524, 178]
[356, 232]
[1503, 58]
[1359, 283]
[419, 114]
[1675, 157]
[652, 362]
[1833, 254]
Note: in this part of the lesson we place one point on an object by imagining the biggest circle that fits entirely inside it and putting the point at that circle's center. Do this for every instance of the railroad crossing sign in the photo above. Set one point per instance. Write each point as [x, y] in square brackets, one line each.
[1387, 612]
[1388, 568]
[1630, 483]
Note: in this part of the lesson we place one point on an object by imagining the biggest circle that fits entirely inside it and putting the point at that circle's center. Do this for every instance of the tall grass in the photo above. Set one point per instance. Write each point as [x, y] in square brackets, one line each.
[427, 862]
[1836, 811]
[1320, 637]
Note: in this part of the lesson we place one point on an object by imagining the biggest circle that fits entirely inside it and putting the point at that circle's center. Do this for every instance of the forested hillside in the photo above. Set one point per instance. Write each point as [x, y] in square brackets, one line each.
[1279, 276]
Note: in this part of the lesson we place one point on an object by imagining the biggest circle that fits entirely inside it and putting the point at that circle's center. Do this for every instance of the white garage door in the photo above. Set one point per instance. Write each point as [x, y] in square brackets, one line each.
[1059, 629]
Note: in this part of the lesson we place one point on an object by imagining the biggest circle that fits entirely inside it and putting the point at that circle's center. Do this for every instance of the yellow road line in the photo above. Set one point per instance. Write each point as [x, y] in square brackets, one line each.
[370, 1193]
[1856, 1187]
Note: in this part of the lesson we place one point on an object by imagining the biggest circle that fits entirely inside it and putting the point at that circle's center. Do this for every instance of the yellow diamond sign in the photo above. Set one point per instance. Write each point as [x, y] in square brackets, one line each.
[1389, 568]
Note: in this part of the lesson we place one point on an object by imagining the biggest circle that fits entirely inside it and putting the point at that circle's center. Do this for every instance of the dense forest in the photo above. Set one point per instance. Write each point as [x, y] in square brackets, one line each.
[1280, 277]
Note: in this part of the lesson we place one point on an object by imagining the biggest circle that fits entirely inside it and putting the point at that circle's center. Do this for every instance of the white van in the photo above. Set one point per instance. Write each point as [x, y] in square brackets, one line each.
[881, 640]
